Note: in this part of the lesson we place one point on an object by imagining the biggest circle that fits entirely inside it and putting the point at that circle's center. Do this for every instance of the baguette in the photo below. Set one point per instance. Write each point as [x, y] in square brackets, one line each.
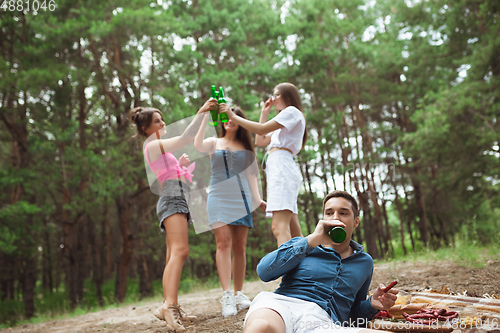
[440, 300]
[412, 308]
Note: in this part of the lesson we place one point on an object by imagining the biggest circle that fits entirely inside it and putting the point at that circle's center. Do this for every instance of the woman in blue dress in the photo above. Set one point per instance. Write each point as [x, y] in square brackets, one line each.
[232, 196]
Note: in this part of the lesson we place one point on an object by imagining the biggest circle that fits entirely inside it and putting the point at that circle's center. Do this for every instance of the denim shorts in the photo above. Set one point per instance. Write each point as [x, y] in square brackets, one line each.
[174, 198]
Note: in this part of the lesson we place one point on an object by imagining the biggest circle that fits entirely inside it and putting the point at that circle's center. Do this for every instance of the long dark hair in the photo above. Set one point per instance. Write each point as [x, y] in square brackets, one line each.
[291, 97]
[242, 134]
[142, 117]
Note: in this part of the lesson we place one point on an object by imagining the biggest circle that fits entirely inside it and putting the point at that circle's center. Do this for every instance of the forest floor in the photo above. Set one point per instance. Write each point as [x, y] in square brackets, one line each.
[412, 276]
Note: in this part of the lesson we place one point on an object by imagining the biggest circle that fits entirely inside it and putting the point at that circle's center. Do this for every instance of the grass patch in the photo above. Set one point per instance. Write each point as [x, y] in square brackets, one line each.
[463, 253]
[55, 305]
[189, 285]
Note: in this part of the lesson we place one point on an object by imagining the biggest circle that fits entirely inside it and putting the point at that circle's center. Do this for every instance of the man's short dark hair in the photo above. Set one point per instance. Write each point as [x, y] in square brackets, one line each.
[345, 195]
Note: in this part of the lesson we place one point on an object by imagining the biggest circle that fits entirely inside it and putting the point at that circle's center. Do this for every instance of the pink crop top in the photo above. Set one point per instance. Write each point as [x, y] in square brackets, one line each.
[167, 167]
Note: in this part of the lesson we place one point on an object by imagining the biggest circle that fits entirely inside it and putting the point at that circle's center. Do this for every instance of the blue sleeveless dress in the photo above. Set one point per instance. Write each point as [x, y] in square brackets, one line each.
[229, 199]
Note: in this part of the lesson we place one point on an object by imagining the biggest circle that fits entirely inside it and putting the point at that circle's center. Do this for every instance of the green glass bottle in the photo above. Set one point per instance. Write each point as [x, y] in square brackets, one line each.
[337, 234]
[223, 116]
[213, 113]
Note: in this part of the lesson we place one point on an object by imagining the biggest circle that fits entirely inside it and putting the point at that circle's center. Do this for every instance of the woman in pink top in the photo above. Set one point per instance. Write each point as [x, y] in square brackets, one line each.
[285, 135]
[172, 208]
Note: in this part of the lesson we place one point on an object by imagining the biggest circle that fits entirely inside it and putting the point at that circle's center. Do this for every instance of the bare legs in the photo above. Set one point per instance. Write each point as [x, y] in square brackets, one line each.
[177, 252]
[295, 226]
[269, 321]
[285, 226]
[231, 238]
[264, 321]
[223, 255]
[238, 246]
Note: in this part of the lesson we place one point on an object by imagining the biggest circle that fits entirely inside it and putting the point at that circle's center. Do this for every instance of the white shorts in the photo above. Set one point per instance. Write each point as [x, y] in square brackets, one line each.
[299, 316]
[283, 182]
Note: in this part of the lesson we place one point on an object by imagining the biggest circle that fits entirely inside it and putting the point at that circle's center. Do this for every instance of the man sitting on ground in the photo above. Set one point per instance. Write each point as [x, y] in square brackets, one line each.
[324, 284]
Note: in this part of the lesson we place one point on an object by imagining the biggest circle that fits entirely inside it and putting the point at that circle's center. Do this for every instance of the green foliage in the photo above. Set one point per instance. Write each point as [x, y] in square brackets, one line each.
[482, 228]
[466, 250]
[53, 305]
[462, 253]
[11, 229]
[193, 285]
[407, 84]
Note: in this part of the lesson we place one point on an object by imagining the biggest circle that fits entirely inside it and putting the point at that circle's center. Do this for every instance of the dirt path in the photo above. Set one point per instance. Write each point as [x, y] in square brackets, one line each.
[205, 304]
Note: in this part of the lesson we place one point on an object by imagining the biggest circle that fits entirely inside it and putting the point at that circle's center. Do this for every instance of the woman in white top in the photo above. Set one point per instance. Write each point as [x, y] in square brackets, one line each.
[285, 135]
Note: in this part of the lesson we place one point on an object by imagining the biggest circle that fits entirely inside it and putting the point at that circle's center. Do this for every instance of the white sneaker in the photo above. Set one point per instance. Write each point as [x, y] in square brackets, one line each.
[242, 301]
[228, 302]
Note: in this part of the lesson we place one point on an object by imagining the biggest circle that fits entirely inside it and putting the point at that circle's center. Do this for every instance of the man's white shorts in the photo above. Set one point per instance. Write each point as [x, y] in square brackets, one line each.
[299, 316]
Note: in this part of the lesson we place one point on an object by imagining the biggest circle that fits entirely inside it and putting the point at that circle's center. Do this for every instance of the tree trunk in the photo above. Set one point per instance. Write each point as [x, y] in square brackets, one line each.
[367, 148]
[16, 122]
[383, 242]
[442, 235]
[333, 170]
[81, 244]
[371, 244]
[406, 196]
[71, 238]
[344, 130]
[422, 212]
[123, 207]
[145, 287]
[74, 239]
[47, 281]
[28, 279]
[60, 264]
[8, 277]
[97, 269]
[324, 166]
[401, 223]
[108, 240]
[388, 238]
[310, 207]
[48, 247]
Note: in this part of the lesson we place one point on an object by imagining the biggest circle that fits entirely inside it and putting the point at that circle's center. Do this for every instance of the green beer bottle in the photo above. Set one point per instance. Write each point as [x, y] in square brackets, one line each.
[223, 116]
[213, 113]
[337, 234]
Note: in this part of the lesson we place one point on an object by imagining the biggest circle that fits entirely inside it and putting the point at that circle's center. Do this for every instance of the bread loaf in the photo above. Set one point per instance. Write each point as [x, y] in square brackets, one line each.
[412, 308]
[440, 300]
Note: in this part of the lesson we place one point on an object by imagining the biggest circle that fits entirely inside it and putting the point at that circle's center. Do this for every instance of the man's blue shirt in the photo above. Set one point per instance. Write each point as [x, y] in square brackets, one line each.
[320, 275]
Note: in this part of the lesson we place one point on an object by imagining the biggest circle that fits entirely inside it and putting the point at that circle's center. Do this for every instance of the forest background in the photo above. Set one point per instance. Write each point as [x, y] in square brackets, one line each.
[401, 100]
